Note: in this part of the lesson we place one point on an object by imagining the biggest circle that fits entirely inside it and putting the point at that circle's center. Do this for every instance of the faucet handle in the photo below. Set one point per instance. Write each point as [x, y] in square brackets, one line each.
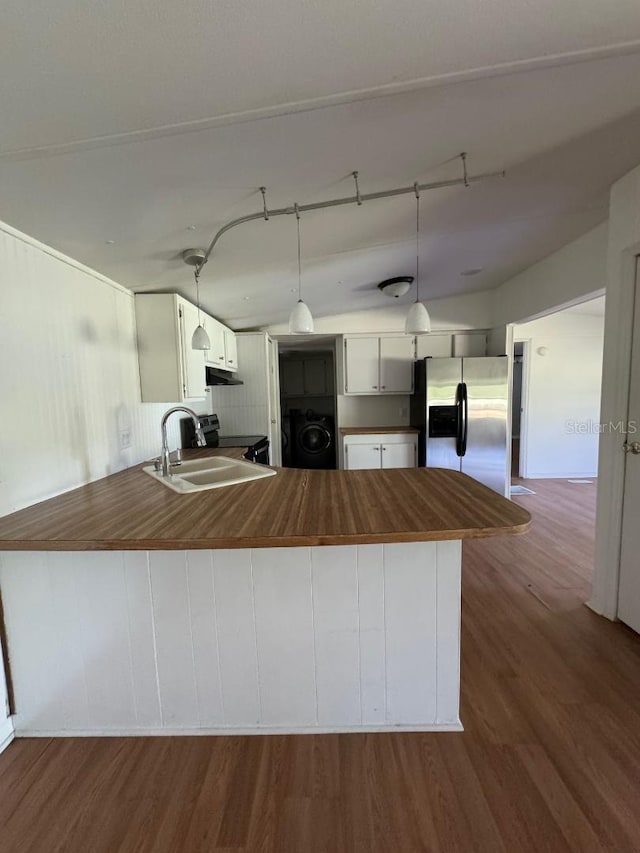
[157, 464]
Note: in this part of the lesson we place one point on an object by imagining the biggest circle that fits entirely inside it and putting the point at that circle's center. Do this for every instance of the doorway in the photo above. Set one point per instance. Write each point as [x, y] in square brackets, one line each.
[308, 402]
[517, 407]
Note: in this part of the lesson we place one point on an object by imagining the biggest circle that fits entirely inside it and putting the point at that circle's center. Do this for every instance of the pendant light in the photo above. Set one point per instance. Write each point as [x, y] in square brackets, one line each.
[200, 339]
[418, 321]
[300, 319]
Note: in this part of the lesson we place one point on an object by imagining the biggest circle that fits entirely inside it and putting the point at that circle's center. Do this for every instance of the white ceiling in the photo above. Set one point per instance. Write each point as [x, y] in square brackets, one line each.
[129, 123]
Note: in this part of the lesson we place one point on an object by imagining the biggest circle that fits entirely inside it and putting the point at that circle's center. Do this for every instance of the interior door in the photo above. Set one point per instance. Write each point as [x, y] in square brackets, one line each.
[486, 457]
[396, 365]
[629, 591]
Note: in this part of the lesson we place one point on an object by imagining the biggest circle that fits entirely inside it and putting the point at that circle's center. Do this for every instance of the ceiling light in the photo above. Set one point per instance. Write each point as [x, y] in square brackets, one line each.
[397, 286]
[418, 321]
[300, 319]
[110, 242]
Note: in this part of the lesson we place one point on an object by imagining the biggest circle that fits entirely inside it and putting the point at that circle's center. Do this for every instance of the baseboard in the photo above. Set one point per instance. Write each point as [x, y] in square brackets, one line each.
[561, 476]
[7, 733]
[238, 730]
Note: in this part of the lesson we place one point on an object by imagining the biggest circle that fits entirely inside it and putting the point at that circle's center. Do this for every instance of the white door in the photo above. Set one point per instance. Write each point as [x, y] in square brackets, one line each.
[629, 593]
[193, 377]
[359, 457]
[396, 365]
[230, 350]
[399, 455]
[275, 425]
[361, 357]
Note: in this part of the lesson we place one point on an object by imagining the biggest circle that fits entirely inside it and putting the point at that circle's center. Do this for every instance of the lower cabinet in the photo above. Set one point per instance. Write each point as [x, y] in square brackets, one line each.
[383, 450]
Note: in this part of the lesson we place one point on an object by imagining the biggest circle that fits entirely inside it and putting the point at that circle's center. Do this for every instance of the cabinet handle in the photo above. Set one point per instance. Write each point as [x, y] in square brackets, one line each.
[377, 449]
[230, 361]
[384, 448]
[383, 387]
[374, 386]
[220, 358]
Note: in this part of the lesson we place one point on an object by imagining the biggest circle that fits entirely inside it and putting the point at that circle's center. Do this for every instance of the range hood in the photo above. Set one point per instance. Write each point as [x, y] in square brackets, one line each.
[215, 376]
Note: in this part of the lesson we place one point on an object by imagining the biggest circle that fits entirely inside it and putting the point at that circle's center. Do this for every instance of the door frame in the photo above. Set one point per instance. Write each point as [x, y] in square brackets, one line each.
[618, 341]
[524, 404]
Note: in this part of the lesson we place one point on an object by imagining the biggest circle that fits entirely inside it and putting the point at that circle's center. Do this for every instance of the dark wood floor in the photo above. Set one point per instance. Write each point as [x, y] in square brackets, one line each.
[549, 760]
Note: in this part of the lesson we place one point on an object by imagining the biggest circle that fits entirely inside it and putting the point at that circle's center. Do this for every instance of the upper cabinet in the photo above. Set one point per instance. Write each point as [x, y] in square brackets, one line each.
[306, 375]
[378, 365]
[170, 370]
[470, 345]
[434, 346]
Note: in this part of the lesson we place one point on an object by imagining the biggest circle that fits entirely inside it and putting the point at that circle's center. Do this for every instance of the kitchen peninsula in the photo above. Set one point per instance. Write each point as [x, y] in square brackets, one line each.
[308, 601]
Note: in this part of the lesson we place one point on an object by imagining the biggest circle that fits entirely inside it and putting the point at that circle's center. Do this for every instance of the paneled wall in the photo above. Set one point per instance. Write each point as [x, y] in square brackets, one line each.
[293, 639]
[69, 383]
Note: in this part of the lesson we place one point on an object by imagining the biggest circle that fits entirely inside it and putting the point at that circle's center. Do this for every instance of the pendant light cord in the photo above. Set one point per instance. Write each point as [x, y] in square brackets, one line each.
[299, 257]
[197, 277]
[417, 189]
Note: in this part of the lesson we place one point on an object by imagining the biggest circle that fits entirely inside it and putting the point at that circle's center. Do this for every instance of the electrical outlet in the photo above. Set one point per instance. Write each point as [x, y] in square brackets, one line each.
[125, 439]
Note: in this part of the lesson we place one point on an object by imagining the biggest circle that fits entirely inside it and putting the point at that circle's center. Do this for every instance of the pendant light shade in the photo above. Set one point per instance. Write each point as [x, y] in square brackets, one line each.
[200, 338]
[418, 321]
[300, 319]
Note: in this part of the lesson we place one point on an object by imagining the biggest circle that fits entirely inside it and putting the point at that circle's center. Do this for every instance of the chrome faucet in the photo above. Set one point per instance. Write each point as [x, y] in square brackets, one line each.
[165, 455]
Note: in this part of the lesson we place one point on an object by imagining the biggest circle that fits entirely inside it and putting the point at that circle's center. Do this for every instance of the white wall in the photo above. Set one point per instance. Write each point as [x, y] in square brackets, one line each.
[623, 244]
[562, 406]
[69, 384]
[568, 275]
[457, 313]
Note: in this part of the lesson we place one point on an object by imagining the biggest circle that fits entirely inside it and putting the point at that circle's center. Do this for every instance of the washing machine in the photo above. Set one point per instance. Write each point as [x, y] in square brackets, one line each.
[313, 441]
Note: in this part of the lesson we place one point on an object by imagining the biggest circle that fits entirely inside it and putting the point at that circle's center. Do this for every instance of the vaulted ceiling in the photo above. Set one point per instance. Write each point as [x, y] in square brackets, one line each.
[133, 131]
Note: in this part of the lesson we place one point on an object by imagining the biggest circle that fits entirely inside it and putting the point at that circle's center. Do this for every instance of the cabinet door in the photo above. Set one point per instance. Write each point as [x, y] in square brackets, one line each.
[470, 346]
[291, 377]
[396, 365]
[361, 357]
[215, 356]
[399, 455]
[358, 457]
[315, 376]
[434, 346]
[230, 350]
[193, 377]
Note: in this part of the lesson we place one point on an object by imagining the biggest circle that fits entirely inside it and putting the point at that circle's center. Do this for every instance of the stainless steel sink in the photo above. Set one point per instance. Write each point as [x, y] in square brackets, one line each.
[196, 475]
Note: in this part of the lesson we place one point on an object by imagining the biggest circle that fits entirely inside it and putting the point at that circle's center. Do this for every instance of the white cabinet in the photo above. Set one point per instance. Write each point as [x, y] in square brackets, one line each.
[362, 365]
[230, 350]
[434, 346]
[400, 455]
[170, 371]
[471, 345]
[396, 365]
[380, 450]
[378, 365]
[215, 355]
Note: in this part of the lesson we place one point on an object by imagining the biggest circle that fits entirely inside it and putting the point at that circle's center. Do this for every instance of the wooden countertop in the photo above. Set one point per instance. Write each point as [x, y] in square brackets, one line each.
[131, 511]
[376, 430]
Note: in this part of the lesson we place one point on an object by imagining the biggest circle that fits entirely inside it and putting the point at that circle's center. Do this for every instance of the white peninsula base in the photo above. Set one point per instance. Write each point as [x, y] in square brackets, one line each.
[287, 640]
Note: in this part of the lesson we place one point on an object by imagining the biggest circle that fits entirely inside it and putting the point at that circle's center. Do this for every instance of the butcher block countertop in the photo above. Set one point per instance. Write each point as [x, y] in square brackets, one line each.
[376, 430]
[132, 511]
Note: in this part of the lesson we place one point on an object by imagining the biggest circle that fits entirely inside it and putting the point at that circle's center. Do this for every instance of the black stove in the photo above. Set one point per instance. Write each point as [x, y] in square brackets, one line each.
[257, 445]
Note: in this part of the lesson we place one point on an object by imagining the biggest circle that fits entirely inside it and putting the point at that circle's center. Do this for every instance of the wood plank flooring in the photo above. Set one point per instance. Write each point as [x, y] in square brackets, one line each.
[549, 760]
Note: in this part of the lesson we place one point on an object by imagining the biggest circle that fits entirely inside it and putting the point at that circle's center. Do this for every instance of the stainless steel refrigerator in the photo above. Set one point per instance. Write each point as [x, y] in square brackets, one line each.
[460, 406]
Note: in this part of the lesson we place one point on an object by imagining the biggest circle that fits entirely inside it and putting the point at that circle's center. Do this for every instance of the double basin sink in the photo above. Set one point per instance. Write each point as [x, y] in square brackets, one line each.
[196, 475]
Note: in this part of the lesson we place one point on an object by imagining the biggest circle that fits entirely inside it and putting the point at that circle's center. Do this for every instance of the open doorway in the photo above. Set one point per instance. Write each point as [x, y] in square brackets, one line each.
[557, 383]
[308, 402]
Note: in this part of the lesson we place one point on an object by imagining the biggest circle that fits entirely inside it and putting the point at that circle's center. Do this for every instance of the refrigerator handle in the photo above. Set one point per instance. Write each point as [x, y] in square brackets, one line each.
[459, 419]
[465, 418]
